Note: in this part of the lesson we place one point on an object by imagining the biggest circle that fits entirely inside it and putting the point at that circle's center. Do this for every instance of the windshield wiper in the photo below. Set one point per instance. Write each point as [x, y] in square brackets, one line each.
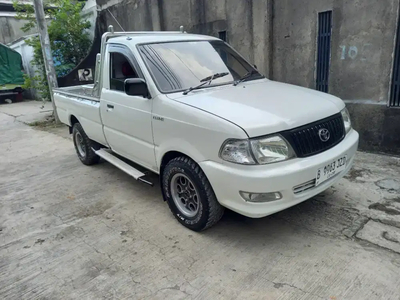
[206, 80]
[246, 76]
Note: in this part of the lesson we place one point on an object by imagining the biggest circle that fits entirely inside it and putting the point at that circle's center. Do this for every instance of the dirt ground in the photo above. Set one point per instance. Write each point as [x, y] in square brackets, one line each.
[68, 231]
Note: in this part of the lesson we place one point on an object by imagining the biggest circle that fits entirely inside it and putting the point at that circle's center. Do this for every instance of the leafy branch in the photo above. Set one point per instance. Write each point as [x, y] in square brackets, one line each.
[68, 35]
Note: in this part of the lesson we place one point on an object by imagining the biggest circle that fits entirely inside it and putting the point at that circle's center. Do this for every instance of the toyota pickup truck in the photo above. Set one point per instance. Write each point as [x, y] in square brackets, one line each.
[219, 134]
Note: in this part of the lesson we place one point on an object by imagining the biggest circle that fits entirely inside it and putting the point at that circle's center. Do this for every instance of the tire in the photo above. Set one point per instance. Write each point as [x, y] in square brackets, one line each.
[195, 215]
[84, 145]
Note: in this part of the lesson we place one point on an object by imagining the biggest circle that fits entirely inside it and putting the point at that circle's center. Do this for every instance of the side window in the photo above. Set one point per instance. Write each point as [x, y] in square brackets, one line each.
[120, 69]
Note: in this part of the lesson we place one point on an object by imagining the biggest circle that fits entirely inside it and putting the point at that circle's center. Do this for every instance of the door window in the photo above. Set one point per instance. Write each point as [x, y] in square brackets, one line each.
[121, 69]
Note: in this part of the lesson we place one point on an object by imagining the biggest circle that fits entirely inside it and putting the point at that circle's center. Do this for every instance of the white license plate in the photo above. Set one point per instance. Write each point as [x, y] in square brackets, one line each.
[330, 170]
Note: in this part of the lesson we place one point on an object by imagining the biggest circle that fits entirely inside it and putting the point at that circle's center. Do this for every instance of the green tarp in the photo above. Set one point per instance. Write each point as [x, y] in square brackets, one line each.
[10, 66]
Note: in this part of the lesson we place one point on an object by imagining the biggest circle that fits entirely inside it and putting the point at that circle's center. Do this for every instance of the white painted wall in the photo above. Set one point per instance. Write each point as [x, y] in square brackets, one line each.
[89, 12]
[26, 52]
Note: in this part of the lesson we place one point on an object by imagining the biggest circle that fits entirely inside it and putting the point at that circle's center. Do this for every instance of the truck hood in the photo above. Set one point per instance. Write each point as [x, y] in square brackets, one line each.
[263, 107]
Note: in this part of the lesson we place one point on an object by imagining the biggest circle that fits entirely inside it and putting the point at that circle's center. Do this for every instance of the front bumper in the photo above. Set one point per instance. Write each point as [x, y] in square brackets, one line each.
[228, 179]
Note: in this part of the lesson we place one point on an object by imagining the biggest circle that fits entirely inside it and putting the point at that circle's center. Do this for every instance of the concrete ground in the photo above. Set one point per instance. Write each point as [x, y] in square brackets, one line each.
[68, 231]
[28, 111]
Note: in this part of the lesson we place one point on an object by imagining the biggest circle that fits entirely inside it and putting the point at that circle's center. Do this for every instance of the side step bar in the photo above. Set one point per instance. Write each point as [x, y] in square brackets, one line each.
[112, 159]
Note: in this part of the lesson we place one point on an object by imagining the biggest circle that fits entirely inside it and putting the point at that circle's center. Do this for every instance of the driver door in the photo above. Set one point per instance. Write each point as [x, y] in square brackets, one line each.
[126, 119]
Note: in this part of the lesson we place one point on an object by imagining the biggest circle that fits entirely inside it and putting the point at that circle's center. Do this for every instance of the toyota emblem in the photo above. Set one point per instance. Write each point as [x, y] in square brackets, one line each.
[324, 134]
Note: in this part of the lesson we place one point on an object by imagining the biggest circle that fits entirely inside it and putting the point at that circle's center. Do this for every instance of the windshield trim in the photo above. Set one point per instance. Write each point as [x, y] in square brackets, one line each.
[260, 76]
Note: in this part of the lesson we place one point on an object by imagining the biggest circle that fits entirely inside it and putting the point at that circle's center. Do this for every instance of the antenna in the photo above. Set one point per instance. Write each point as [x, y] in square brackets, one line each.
[111, 29]
[115, 21]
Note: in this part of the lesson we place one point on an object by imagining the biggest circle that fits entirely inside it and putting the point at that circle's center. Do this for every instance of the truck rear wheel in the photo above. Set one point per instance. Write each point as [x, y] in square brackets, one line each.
[84, 145]
[189, 194]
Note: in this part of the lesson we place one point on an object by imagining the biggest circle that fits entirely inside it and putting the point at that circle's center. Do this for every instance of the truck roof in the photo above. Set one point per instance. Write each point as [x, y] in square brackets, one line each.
[158, 36]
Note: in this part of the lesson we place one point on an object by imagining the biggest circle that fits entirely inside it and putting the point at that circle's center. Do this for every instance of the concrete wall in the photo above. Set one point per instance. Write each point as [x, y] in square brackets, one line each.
[362, 45]
[378, 126]
[246, 21]
[10, 28]
[280, 37]
[89, 13]
[283, 48]
[363, 37]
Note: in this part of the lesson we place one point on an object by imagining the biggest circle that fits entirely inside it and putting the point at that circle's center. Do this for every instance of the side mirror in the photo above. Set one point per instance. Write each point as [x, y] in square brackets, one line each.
[255, 66]
[136, 87]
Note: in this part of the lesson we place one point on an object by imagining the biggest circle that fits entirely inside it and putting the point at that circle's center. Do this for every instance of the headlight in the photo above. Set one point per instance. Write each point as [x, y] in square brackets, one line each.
[265, 150]
[237, 151]
[271, 149]
[346, 119]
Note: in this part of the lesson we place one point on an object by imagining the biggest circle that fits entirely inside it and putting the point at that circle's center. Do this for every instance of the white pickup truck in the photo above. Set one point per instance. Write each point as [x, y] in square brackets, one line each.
[191, 109]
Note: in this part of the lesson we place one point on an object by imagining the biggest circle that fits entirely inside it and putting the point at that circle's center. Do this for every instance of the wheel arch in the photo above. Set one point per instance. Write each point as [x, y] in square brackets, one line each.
[175, 147]
[72, 120]
[170, 155]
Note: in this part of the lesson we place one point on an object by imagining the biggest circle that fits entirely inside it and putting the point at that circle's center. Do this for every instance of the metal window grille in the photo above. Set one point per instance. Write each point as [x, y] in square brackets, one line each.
[222, 35]
[394, 100]
[324, 50]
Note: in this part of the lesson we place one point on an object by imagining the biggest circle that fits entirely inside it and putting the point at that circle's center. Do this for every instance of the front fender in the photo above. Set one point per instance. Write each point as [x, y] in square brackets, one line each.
[178, 145]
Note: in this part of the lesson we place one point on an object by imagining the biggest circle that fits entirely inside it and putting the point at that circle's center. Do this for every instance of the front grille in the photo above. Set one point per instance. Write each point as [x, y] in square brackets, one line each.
[306, 141]
[304, 187]
[298, 189]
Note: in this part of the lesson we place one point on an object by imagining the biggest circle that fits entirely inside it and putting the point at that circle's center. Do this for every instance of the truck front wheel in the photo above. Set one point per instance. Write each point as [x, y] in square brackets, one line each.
[189, 194]
[84, 145]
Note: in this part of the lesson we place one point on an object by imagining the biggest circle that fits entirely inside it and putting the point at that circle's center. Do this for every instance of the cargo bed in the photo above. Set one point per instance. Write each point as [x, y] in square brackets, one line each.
[79, 91]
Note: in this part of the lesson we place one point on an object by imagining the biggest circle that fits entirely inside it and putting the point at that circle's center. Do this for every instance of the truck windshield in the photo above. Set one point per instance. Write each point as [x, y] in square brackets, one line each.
[177, 66]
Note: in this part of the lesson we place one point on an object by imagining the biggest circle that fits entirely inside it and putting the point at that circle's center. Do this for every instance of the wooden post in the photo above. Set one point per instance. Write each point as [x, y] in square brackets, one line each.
[46, 49]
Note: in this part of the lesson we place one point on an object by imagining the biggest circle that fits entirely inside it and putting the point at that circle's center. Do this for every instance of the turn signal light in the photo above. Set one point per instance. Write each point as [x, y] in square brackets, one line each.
[260, 197]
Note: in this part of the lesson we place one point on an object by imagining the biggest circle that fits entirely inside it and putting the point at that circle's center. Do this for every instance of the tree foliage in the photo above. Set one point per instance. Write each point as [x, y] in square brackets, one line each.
[68, 35]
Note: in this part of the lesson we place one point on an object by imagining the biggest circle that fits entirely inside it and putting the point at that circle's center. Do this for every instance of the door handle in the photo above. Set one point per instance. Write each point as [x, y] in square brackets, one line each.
[110, 107]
